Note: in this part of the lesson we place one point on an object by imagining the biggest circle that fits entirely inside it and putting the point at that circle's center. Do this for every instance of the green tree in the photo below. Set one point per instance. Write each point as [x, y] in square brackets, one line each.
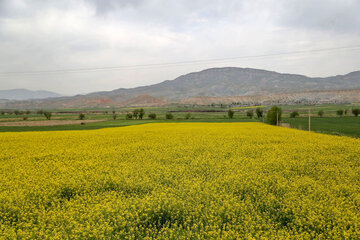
[40, 112]
[294, 114]
[355, 111]
[152, 116]
[141, 113]
[169, 116]
[274, 115]
[231, 113]
[250, 113]
[129, 116]
[188, 116]
[259, 112]
[114, 116]
[48, 115]
[81, 116]
[340, 112]
[135, 113]
[320, 113]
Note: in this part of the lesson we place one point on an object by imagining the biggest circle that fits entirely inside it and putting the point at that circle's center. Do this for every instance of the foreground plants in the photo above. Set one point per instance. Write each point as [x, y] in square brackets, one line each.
[180, 181]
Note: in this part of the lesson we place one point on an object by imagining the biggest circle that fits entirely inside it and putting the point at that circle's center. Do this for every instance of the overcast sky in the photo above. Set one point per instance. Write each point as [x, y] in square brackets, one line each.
[38, 35]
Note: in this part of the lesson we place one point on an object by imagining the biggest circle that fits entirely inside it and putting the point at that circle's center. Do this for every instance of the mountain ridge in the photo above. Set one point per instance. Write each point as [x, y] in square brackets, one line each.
[238, 81]
[212, 82]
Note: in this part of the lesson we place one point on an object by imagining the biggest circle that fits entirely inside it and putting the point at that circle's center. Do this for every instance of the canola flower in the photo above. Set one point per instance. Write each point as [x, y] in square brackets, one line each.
[249, 107]
[179, 181]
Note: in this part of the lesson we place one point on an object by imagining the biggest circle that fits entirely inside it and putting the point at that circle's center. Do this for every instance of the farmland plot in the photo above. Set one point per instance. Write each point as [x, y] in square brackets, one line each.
[179, 181]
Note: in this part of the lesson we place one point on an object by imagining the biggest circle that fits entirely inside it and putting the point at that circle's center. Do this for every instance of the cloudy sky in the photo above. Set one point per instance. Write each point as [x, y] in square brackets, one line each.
[41, 41]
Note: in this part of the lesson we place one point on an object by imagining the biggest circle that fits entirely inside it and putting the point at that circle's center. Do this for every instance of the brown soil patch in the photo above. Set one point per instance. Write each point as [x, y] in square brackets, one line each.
[47, 122]
[9, 119]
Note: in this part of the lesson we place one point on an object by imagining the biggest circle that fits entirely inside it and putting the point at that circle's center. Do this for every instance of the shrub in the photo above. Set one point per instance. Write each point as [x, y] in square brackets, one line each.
[81, 116]
[250, 113]
[129, 116]
[169, 116]
[340, 112]
[188, 116]
[259, 112]
[114, 116]
[231, 113]
[355, 111]
[17, 112]
[25, 118]
[27, 112]
[320, 113]
[274, 115]
[2, 113]
[152, 116]
[294, 114]
[40, 112]
[47, 115]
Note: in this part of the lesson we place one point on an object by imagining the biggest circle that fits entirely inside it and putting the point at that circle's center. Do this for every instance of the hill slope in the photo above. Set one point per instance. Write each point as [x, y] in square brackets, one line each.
[236, 82]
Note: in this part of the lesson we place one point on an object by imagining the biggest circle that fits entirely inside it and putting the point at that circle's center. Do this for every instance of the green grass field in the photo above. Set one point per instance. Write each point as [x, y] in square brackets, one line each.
[330, 123]
[349, 126]
[112, 123]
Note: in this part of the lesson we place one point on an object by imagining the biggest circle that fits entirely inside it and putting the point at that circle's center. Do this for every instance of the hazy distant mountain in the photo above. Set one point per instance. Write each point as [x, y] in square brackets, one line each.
[213, 82]
[24, 94]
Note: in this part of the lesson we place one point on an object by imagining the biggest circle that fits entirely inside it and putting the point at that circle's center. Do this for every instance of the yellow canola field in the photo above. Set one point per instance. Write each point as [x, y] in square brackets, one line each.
[248, 107]
[179, 181]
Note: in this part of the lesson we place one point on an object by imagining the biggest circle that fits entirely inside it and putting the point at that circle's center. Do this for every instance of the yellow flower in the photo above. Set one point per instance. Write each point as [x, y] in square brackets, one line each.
[179, 181]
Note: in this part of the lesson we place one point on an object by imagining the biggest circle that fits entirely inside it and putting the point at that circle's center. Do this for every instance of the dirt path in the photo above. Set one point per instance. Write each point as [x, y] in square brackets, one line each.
[47, 122]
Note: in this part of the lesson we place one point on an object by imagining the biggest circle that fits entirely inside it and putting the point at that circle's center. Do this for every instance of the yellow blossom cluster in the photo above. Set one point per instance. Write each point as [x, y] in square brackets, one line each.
[179, 181]
[260, 106]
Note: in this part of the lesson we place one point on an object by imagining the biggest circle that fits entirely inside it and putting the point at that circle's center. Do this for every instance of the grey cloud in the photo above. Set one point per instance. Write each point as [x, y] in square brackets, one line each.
[327, 15]
[103, 7]
[176, 15]
[28, 8]
[324, 15]
[52, 34]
